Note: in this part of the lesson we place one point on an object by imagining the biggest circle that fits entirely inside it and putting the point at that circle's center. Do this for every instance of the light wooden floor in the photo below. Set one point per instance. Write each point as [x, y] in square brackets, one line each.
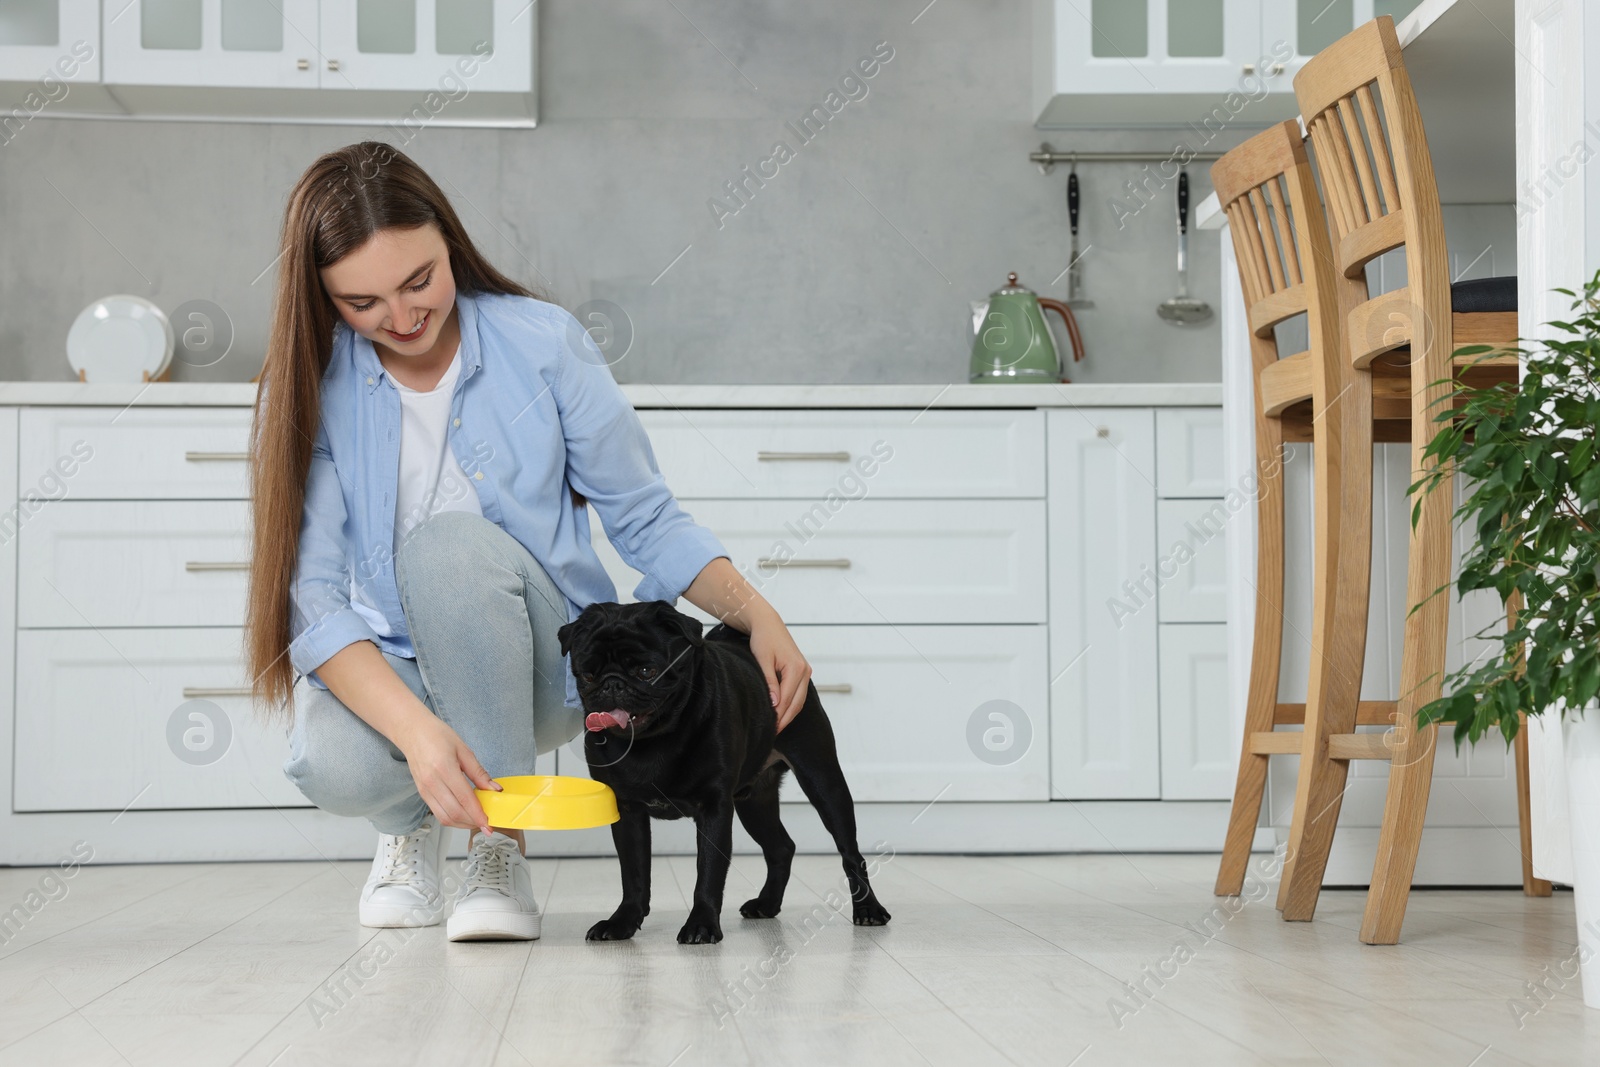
[1015, 959]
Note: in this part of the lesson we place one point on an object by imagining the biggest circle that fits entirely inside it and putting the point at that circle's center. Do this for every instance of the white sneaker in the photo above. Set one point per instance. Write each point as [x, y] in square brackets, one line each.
[403, 887]
[496, 899]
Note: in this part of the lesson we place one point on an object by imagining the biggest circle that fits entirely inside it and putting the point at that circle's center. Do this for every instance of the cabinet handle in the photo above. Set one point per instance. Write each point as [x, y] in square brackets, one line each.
[1277, 68]
[214, 457]
[1102, 431]
[195, 692]
[1249, 68]
[768, 561]
[303, 64]
[204, 565]
[833, 687]
[333, 64]
[842, 457]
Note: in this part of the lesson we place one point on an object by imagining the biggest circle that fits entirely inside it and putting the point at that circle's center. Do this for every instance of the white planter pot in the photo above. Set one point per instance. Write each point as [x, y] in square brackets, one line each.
[1581, 740]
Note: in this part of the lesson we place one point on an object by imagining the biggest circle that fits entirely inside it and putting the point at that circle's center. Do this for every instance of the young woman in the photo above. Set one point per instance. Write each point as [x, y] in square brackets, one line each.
[427, 437]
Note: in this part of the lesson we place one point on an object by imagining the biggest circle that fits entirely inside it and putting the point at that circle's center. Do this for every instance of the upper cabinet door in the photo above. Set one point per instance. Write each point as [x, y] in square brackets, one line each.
[1186, 63]
[445, 46]
[59, 37]
[237, 43]
[1305, 27]
[1153, 46]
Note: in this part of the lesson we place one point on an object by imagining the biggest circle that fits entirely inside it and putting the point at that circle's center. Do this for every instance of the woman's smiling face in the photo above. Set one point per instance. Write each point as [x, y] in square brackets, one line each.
[396, 290]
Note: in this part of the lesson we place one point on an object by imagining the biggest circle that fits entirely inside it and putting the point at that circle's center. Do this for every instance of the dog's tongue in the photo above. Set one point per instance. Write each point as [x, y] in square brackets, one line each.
[600, 720]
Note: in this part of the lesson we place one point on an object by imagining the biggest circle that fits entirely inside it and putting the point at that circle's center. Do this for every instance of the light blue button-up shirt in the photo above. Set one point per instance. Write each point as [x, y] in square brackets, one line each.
[534, 412]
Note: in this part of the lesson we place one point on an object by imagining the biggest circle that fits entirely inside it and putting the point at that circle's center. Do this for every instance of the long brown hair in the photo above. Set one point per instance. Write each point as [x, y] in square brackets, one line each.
[338, 204]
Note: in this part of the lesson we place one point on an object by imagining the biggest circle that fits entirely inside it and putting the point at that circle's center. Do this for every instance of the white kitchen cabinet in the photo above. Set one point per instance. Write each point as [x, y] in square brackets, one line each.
[244, 43]
[1160, 46]
[1180, 62]
[1104, 736]
[928, 615]
[1199, 753]
[410, 45]
[61, 37]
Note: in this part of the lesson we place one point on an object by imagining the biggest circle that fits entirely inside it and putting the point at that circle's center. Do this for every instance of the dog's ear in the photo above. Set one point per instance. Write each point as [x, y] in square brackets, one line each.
[687, 625]
[564, 635]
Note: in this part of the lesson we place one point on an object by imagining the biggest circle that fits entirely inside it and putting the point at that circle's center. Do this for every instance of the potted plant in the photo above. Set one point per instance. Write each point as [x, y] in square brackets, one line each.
[1530, 452]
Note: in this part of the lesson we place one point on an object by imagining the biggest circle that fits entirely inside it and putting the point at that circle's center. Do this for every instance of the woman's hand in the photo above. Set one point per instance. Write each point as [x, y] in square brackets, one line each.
[446, 771]
[786, 669]
[722, 592]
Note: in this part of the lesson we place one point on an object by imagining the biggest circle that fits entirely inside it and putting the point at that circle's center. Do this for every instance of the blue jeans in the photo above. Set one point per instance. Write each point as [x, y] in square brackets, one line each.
[483, 616]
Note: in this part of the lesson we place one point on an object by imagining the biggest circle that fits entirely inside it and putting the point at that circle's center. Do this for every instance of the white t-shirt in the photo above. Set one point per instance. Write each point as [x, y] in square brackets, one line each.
[431, 480]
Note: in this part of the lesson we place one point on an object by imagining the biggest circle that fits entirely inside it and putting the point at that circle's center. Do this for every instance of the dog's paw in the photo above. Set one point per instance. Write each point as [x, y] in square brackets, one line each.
[612, 929]
[870, 913]
[756, 908]
[700, 932]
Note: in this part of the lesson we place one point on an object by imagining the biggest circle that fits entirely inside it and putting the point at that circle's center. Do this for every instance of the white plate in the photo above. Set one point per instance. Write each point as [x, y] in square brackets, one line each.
[117, 338]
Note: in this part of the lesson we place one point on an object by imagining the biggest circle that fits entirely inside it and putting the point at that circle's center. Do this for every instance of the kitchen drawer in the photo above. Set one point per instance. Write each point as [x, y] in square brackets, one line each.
[1189, 452]
[103, 716]
[913, 706]
[134, 563]
[1199, 750]
[1191, 560]
[875, 561]
[92, 453]
[812, 454]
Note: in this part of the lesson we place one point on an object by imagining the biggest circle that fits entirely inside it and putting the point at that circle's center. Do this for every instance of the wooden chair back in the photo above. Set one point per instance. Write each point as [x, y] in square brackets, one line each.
[1378, 184]
[1267, 189]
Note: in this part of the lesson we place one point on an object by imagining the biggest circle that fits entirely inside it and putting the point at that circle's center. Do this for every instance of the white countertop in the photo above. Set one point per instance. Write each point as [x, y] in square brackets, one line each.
[644, 395]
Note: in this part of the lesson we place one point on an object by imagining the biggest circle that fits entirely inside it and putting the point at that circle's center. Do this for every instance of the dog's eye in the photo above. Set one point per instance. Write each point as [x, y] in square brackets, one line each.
[646, 673]
[585, 678]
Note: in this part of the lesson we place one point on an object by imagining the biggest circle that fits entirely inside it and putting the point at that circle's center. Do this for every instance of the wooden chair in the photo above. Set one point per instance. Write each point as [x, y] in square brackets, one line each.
[1267, 189]
[1287, 266]
[1371, 155]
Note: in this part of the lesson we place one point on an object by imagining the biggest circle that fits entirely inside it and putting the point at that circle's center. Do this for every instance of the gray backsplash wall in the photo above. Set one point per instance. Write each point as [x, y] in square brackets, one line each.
[855, 263]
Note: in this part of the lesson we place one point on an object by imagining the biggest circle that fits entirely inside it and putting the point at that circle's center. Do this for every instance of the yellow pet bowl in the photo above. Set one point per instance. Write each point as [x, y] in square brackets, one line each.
[549, 802]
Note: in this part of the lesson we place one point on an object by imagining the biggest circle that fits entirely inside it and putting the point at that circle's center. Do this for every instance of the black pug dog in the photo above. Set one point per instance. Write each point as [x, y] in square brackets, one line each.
[681, 725]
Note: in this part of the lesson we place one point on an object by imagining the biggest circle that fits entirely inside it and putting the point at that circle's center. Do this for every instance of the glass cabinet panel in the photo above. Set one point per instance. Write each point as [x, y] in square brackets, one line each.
[169, 24]
[1319, 23]
[1119, 28]
[252, 26]
[386, 26]
[30, 22]
[1194, 27]
[460, 24]
[443, 46]
[1396, 9]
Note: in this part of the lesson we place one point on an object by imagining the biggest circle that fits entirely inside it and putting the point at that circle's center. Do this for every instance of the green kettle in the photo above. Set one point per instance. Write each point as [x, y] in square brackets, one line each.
[1012, 343]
